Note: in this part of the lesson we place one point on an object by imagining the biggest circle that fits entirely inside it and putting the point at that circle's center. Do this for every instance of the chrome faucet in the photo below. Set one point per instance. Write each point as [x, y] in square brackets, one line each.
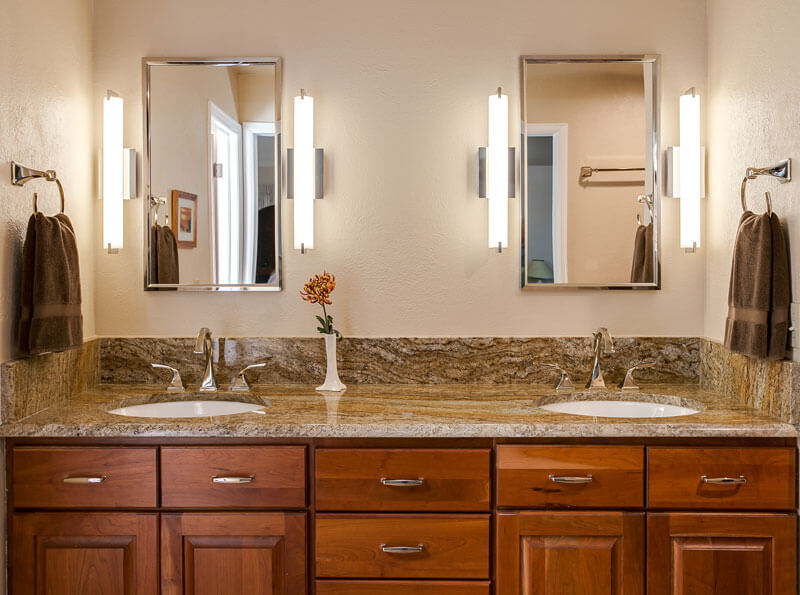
[204, 347]
[601, 340]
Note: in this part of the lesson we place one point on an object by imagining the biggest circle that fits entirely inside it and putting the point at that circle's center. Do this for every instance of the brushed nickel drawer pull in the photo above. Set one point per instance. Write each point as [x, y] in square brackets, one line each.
[90, 479]
[724, 481]
[402, 549]
[571, 479]
[232, 479]
[403, 483]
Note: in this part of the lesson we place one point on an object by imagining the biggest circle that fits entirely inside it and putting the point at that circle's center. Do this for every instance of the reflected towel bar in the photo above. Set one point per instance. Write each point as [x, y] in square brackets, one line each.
[587, 171]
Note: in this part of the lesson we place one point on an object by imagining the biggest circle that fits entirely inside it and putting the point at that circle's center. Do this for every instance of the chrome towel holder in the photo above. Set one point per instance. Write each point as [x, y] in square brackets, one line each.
[21, 175]
[782, 171]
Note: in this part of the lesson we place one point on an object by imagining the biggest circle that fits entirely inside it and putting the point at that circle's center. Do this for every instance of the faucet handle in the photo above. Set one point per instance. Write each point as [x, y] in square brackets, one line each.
[628, 383]
[240, 382]
[563, 383]
[176, 383]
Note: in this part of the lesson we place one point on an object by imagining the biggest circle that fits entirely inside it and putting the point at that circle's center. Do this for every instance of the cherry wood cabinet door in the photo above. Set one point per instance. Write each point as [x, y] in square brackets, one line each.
[570, 553]
[87, 553]
[233, 553]
[721, 554]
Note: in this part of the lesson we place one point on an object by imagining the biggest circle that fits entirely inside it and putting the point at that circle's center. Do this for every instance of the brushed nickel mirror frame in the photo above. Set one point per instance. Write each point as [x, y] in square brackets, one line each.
[643, 59]
[275, 61]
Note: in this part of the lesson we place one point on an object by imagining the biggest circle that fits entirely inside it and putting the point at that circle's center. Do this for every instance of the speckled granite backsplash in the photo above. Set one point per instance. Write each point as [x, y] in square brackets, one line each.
[484, 360]
[770, 387]
[31, 384]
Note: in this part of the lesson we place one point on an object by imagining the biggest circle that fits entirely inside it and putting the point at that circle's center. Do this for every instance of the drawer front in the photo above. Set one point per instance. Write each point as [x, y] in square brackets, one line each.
[402, 587]
[403, 479]
[233, 477]
[721, 478]
[570, 476]
[367, 546]
[84, 477]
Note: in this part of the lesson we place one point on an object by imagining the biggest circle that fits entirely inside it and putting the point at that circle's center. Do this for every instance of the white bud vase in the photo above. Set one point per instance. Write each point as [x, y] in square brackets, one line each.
[332, 382]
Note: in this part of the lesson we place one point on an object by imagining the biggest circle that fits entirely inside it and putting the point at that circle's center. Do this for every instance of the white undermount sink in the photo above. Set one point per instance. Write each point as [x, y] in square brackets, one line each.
[618, 408]
[188, 409]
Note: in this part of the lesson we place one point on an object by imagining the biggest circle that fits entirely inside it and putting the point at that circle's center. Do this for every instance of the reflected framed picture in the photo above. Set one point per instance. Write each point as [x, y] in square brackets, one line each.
[184, 218]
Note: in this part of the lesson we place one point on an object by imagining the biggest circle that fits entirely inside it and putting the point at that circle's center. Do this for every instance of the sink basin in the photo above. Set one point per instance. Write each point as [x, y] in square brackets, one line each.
[188, 409]
[599, 406]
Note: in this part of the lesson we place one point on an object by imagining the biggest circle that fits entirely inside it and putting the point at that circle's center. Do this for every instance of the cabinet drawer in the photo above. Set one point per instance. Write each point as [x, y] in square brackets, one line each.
[403, 479]
[570, 476]
[402, 587]
[233, 477]
[86, 477]
[722, 478]
[357, 546]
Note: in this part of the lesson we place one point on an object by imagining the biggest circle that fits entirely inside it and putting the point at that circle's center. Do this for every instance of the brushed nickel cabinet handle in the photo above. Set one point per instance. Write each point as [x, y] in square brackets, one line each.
[403, 483]
[232, 479]
[724, 481]
[571, 479]
[86, 480]
[402, 549]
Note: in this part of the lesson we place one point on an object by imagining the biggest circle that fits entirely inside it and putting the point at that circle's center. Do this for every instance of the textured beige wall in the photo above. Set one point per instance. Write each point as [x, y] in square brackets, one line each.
[46, 105]
[753, 120]
[401, 107]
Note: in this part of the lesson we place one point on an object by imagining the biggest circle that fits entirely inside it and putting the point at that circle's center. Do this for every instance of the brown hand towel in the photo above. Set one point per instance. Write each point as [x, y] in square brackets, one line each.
[642, 266]
[638, 255]
[166, 256]
[778, 329]
[51, 317]
[758, 297]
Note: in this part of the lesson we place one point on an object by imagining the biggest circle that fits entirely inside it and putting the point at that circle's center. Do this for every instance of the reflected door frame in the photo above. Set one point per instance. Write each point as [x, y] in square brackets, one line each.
[251, 130]
[559, 132]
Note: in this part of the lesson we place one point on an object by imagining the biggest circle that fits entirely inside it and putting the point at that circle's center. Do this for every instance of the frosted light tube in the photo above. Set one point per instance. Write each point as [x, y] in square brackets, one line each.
[690, 166]
[303, 172]
[497, 171]
[112, 173]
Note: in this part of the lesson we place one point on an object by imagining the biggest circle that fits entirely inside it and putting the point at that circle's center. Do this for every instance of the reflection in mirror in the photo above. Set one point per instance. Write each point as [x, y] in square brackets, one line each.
[213, 174]
[590, 210]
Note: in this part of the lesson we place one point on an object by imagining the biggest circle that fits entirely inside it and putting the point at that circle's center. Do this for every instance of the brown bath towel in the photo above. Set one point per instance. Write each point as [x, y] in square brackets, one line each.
[164, 255]
[758, 297]
[51, 317]
[642, 266]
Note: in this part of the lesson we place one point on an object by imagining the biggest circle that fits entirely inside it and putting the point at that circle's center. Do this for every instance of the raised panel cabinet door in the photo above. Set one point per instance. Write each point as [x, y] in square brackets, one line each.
[233, 553]
[88, 553]
[721, 554]
[570, 553]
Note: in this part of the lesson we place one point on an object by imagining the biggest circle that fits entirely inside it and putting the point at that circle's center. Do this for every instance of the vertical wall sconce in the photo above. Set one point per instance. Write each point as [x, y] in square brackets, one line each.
[690, 170]
[119, 172]
[112, 172]
[496, 169]
[304, 175]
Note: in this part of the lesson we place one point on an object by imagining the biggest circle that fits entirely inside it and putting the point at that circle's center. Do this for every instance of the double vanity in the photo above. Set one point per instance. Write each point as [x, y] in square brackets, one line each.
[384, 489]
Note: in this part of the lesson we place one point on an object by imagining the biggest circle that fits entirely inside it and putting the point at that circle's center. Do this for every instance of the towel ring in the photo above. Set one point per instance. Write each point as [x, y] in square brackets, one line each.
[767, 195]
[60, 191]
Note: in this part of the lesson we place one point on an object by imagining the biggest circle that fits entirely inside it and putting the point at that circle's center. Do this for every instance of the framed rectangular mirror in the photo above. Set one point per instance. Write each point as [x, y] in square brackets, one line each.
[590, 209]
[212, 174]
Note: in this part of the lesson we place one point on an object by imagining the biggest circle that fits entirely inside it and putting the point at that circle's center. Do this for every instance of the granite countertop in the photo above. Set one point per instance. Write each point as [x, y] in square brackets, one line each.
[414, 411]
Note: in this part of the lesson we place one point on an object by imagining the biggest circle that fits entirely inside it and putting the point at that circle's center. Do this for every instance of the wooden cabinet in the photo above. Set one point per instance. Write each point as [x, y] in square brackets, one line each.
[230, 553]
[403, 546]
[570, 476]
[83, 553]
[721, 554]
[88, 477]
[395, 480]
[233, 477]
[722, 478]
[570, 553]
[362, 587]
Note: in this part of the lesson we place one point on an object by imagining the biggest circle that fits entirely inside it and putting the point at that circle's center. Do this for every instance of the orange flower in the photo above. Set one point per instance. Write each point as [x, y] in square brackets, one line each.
[319, 288]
